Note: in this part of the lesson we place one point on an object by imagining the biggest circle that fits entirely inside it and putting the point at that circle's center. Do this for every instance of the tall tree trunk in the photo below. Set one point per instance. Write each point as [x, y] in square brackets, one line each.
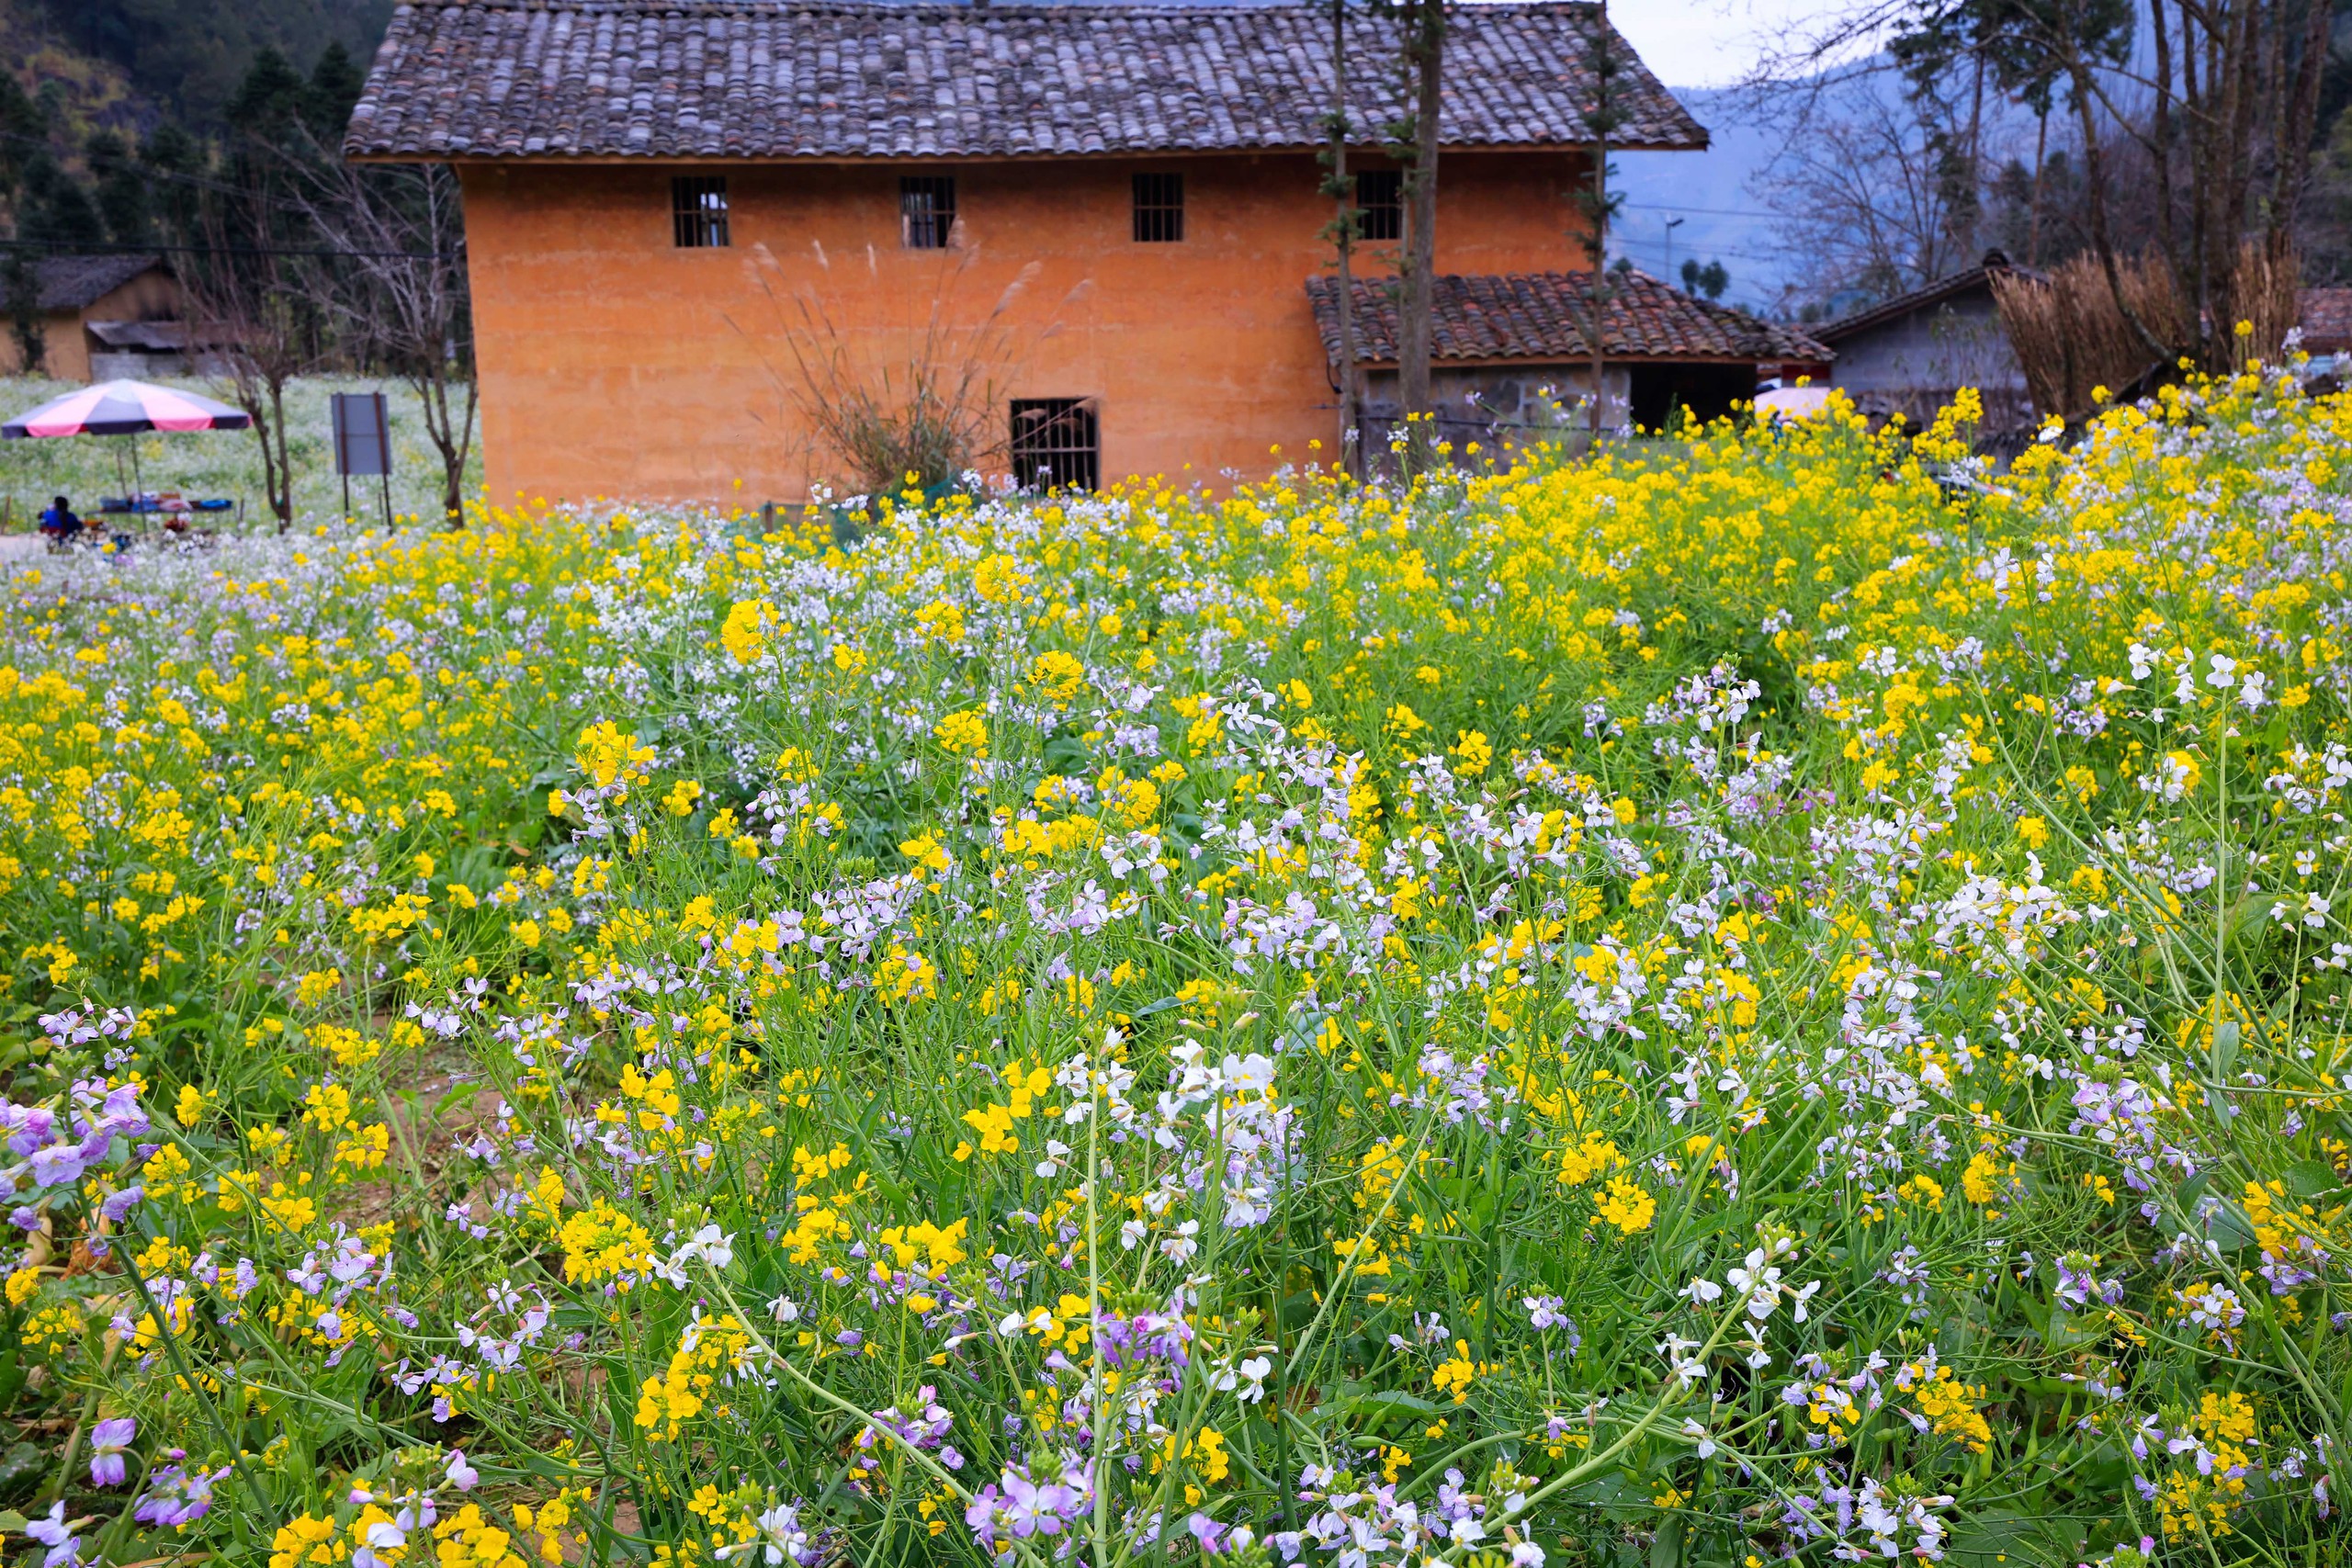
[2196, 113]
[1599, 313]
[2232, 167]
[2163, 136]
[1425, 50]
[2102, 232]
[2033, 206]
[2250, 41]
[2299, 122]
[1967, 212]
[276, 463]
[1604, 119]
[450, 425]
[1344, 236]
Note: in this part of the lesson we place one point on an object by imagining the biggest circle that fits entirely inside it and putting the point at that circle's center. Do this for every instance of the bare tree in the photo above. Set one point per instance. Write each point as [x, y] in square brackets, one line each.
[1421, 58]
[925, 410]
[1862, 189]
[400, 289]
[254, 301]
[2222, 106]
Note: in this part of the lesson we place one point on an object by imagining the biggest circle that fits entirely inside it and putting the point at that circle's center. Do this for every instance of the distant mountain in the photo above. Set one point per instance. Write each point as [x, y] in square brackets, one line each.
[134, 64]
[79, 85]
[1721, 219]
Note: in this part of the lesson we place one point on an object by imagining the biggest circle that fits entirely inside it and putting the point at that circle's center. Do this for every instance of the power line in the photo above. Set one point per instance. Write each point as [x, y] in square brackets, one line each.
[1704, 211]
[1629, 243]
[67, 247]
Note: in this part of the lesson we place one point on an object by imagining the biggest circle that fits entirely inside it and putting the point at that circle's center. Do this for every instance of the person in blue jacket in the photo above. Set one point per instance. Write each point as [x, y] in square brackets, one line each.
[58, 523]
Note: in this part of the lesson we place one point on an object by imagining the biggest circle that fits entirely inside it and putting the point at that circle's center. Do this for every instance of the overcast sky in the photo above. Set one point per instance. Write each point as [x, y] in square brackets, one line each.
[1703, 206]
[1710, 43]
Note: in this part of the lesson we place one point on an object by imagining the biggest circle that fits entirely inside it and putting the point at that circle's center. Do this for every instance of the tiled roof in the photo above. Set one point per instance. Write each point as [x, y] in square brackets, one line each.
[2326, 320]
[1541, 315]
[709, 79]
[74, 283]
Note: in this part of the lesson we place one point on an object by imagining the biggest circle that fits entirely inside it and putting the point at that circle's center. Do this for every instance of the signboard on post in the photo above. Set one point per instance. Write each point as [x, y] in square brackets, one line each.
[362, 445]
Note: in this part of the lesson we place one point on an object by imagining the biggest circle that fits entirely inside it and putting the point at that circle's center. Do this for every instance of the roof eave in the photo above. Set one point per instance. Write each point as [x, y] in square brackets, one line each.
[753, 160]
[1578, 358]
[1901, 305]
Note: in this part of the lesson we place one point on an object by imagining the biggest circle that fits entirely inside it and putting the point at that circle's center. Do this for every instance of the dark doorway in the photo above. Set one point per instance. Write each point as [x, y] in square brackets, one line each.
[1707, 391]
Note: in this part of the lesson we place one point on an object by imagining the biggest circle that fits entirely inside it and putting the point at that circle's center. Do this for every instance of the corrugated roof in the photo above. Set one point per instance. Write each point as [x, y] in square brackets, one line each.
[1541, 316]
[148, 337]
[706, 79]
[75, 283]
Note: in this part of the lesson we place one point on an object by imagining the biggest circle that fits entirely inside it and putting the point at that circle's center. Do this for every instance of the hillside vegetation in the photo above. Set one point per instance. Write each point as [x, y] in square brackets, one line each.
[133, 64]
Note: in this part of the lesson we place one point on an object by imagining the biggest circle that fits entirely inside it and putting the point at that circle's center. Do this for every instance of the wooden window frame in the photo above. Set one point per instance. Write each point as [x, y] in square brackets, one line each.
[1383, 218]
[926, 211]
[1159, 209]
[698, 212]
[1056, 443]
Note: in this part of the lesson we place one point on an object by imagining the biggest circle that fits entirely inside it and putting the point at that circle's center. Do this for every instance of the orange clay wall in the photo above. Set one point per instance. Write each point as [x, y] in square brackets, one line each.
[616, 365]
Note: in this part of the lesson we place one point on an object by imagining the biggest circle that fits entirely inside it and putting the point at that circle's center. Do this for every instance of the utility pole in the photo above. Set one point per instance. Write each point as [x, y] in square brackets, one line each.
[1671, 225]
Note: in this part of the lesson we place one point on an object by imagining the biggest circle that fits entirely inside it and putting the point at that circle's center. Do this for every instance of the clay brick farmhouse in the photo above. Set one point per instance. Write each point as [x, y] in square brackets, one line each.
[689, 222]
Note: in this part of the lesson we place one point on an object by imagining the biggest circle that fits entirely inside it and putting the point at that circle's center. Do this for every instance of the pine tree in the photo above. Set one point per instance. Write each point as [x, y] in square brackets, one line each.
[121, 193]
[334, 87]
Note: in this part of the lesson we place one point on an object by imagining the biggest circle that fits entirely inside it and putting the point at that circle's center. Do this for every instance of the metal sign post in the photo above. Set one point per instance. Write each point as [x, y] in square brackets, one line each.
[362, 445]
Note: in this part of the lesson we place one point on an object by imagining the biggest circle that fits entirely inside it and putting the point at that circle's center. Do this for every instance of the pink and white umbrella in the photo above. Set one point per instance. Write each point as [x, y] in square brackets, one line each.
[123, 408]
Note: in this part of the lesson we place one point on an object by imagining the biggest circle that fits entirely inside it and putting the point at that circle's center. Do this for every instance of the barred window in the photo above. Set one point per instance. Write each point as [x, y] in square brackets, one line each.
[1056, 443]
[1380, 204]
[698, 211]
[1159, 209]
[926, 211]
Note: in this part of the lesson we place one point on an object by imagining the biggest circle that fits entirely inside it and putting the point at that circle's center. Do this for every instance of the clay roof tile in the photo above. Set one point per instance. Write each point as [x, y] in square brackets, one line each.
[1541, 316]
[856, 79]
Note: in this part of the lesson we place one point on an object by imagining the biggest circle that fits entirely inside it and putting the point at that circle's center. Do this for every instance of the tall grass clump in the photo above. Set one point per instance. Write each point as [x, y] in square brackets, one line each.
[1734, 1004]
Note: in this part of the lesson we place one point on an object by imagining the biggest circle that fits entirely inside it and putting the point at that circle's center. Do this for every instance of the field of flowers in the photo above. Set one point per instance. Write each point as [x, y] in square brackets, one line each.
[1769, 1000]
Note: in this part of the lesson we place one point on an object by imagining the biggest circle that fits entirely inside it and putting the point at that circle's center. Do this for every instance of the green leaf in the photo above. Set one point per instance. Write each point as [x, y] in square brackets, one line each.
[2224, 1052]
[2228, 1231]
[2066, 1332]
[2311, 1177]
[1666, 1550]
[1390, 1405]
[2002, 1537]
[21, 1469]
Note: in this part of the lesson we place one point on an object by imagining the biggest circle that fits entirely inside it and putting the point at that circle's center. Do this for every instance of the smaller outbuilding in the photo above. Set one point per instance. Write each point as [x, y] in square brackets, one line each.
[1911, 353]
[107, 318]
[1511, 352]
[2325, 319]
